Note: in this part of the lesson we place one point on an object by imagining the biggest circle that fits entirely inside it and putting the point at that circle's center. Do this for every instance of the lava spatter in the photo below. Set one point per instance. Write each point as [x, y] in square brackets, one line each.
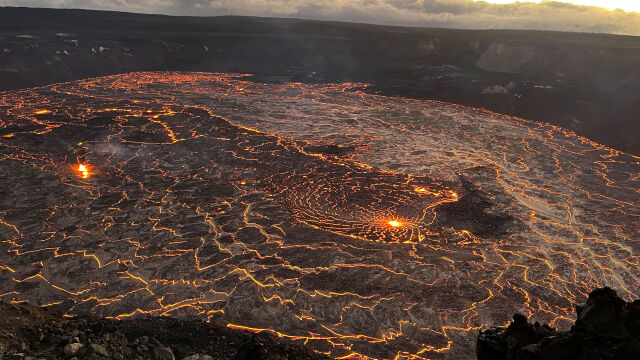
[273, 207]
[395, 223]
[83, 170]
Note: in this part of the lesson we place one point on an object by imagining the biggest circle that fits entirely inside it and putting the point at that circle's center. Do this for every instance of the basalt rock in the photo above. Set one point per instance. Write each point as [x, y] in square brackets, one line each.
[29, 332]
[505, 343]
[607, 327]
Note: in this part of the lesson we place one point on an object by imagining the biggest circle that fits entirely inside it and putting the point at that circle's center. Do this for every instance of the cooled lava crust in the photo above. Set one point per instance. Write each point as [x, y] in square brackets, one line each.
[358, 225]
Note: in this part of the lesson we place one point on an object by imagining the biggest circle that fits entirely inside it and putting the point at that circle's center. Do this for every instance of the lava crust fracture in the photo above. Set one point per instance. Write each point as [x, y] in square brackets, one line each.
[359, 225]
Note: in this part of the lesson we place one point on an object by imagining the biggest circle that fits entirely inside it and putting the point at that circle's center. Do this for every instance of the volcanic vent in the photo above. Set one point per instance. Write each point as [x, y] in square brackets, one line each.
[357, 224]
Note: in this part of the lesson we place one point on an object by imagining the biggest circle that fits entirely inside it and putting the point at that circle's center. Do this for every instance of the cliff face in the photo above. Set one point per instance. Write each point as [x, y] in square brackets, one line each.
[607, 328]
[589, 83]
[504, 58]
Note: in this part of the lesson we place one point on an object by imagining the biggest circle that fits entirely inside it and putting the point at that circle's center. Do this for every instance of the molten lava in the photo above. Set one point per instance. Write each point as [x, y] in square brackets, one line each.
[83, 170]
[411, 226]
[394, 223]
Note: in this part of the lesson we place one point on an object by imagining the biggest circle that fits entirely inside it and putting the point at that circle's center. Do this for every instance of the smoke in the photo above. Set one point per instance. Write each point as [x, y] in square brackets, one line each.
[112, 149]
[549, 15]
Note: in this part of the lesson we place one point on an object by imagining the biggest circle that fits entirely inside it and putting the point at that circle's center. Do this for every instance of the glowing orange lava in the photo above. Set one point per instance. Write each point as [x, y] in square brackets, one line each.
[255, 219]
[83, 170]
[41, 112]
[394, 223]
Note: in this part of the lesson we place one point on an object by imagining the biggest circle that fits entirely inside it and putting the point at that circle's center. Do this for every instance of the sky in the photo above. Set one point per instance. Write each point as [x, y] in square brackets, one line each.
[567, 15]
[627, 5]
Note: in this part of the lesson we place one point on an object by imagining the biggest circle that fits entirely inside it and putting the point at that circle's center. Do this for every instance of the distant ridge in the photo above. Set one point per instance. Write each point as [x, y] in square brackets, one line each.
[44, 18]
[589, 83]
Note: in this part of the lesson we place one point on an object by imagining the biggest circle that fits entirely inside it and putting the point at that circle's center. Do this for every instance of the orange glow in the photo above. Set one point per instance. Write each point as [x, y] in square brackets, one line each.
[394, 223]
[626, 5]
[386, 227]
[83, 170]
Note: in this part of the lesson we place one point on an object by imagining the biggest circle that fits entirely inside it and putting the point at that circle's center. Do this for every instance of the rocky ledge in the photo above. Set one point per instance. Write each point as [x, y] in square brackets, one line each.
[607, 327]
[28, 332]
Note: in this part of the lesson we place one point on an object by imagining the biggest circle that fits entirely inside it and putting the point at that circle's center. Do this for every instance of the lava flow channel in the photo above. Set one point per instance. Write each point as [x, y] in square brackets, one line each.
[362, 226]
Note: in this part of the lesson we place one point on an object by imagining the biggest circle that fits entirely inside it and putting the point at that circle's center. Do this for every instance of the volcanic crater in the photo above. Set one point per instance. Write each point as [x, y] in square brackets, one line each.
[359, 225]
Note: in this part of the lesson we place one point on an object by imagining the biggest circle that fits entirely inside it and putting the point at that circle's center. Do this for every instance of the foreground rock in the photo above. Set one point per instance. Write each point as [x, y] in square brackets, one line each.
[31, 333]
[607, 327]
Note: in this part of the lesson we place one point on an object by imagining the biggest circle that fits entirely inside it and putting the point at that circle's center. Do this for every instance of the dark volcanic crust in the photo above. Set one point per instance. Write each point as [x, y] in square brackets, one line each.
[212, 196]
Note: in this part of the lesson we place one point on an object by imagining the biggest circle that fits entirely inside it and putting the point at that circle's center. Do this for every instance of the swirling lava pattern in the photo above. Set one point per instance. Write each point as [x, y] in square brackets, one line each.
[366, 204]
[362, 226]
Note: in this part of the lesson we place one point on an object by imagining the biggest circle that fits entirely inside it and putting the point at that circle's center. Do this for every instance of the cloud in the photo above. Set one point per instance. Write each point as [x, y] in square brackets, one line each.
[549, 15]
